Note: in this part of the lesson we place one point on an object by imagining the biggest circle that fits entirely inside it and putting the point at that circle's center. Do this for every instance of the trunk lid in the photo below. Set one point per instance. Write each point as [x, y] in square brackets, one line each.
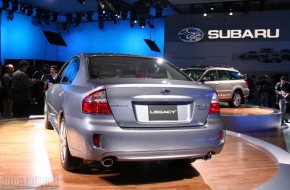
[159, 104]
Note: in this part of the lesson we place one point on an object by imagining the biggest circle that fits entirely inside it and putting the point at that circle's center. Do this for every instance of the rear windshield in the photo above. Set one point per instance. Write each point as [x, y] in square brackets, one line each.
[235, 75]
[194, 74]
[101, 67]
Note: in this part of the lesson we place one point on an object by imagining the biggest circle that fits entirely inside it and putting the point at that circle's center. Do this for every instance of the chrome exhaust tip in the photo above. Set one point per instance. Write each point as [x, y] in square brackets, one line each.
[107, 162]
[207, 156]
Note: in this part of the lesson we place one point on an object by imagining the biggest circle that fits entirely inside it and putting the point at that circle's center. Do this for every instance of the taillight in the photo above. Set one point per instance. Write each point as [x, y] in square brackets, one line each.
[214, 105]
[96, 103]
[247, 82]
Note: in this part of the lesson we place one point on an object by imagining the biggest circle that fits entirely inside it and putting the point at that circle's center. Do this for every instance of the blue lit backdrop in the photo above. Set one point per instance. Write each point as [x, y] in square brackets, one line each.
[22, 38]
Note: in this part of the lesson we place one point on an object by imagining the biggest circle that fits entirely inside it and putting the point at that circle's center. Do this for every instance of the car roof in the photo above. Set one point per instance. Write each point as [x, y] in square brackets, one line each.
[201, 67]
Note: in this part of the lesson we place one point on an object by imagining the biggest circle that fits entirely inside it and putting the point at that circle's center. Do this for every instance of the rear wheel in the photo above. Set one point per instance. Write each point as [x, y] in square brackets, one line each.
[68, 162]
[236, 100]
[47, 123]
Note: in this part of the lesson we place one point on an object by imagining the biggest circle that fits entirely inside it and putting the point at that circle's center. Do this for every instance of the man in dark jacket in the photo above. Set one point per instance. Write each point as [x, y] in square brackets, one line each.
[282, 90]
[20, 91]
[6, 82]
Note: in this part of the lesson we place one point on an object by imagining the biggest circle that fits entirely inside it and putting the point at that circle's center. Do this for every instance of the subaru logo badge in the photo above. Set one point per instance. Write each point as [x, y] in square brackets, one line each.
[165, 92]
[190, 34]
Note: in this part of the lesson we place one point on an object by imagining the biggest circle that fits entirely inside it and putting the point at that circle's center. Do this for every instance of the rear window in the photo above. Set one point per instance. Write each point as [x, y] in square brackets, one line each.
[235, 75]
[101, 67]
[194, 74]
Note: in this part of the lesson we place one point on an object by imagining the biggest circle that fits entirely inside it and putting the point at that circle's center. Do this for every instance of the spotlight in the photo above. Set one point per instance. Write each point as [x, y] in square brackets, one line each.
[69, 19]
[90, 16]
[78, 19]
[231, 12]
[22, 8]
[101, 24]
[101, 21]
[46, 17]
[142, 22]
[132, 24]
[14, 6]
[40, 16]
[158, 12]
[39, 13]
[5, 4]
[133, 19]
[124, 14]
[54, 17]
[204, 14]
[29, 10]
[107, 16]
[82, 1]
[150, 22]
[10, 15]
[64, 26]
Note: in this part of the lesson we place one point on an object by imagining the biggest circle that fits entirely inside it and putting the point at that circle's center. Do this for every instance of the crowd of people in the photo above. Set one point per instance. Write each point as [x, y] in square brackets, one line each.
[267, 92]
[19, 90]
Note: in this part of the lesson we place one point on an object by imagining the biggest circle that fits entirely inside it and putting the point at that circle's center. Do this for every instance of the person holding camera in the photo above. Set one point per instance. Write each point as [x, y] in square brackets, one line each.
[282, 89]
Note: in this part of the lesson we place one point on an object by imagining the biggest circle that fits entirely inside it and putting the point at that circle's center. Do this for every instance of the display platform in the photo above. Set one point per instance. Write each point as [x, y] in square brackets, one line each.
[250, 118]
[30, 159]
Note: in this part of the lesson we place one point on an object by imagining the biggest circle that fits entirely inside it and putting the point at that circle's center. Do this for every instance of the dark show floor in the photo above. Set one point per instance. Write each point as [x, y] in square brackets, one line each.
[275, 136]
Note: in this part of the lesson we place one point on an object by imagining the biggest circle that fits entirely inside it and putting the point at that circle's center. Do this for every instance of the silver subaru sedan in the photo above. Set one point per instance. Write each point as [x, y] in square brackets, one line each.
[109, 108]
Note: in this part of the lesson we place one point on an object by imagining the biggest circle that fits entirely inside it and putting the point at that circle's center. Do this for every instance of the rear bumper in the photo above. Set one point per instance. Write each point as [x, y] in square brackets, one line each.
[142, 144]
[161, 155]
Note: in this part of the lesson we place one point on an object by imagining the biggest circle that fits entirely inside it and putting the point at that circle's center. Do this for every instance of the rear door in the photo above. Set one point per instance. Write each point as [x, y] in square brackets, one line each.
[225, 85]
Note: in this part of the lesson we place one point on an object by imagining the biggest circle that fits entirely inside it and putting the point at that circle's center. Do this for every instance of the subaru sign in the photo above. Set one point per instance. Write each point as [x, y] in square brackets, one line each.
[190, 34]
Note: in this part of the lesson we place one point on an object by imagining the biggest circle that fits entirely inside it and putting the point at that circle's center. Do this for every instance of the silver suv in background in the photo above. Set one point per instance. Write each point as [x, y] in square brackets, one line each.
[228, 82]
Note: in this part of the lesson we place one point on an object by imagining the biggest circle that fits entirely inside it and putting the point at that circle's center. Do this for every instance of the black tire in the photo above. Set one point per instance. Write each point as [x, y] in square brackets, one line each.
[68, 162]
[47, 123]
[236, 100]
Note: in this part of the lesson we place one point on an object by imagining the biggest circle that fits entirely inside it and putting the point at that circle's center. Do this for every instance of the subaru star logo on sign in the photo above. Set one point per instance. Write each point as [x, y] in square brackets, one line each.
[190, 34]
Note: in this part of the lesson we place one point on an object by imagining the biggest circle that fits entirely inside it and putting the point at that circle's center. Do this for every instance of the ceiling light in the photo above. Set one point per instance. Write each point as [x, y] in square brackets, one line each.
[204, 14]
[82, 1]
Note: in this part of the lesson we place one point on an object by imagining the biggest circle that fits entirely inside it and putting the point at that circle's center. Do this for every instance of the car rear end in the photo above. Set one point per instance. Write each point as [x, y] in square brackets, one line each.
[155, 115]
